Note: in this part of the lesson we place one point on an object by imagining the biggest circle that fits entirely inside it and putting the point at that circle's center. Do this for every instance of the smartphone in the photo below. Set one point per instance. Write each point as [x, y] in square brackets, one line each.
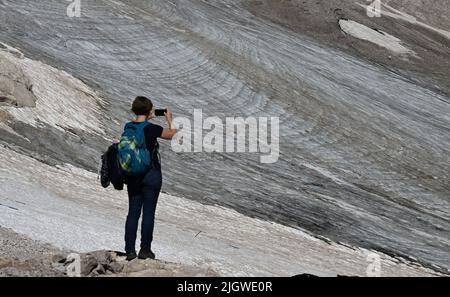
[160, 112]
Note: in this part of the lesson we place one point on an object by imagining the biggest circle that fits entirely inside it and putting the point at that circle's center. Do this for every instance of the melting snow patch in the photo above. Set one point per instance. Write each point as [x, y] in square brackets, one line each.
[380, 38]
[63, 101]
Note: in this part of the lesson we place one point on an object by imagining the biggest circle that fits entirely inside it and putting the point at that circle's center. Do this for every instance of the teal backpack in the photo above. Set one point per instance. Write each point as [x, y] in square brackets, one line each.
[134, 157]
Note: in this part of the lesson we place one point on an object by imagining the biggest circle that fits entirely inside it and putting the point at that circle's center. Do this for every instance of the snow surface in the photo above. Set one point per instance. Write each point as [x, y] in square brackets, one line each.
[380, 38]
[67, 207]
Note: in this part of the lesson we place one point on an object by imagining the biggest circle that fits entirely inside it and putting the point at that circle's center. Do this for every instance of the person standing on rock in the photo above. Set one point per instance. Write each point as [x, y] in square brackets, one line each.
[140, 161]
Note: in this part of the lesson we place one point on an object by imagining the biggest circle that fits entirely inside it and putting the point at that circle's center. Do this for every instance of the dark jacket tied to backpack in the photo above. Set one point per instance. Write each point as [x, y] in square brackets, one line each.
[111, 172]
[133, 157]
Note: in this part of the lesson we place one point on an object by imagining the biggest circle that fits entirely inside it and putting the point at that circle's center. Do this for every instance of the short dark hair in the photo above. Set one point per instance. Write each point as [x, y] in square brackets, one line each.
[142, 106]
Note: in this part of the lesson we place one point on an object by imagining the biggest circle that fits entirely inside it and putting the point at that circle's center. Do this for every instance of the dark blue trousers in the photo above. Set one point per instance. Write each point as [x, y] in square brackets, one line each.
[143, 193]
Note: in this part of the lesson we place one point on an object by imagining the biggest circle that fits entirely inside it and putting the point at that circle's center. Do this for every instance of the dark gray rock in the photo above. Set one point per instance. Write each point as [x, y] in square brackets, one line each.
[88, 263]
[115, 267]
[99, 270]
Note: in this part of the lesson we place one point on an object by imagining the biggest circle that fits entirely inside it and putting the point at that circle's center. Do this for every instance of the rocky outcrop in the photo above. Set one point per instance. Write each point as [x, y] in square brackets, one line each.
[21, 256]
[97, 263]
[15, 87]
[110, 263]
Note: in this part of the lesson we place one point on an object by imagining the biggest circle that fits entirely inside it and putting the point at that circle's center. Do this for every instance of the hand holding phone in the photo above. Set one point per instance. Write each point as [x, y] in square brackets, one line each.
[160, 112]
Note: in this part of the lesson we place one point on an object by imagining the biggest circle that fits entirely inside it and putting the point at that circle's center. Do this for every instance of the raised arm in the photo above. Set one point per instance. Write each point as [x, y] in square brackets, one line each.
[171, 131]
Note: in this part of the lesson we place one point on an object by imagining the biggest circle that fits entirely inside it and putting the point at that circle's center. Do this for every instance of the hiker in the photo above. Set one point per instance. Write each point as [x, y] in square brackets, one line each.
[140, 162]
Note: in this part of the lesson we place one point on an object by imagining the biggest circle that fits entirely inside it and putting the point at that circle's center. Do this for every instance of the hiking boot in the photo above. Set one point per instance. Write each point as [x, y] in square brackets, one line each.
[131, 256]
[146, 253]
